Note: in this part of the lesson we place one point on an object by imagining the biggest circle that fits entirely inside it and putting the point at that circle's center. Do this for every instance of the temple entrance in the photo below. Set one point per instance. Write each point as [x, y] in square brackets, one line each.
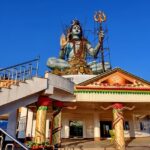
[105, 127]
[76, 129]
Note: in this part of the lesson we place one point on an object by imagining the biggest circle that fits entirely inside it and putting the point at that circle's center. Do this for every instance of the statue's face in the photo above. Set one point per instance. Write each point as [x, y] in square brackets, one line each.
[76, 30]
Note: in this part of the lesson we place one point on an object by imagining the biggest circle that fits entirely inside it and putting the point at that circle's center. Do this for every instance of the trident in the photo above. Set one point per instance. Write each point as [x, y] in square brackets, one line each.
[100, 17]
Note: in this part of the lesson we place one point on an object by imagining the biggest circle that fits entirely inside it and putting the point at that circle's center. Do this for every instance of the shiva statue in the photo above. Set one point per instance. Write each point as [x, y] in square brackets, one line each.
[74, 50]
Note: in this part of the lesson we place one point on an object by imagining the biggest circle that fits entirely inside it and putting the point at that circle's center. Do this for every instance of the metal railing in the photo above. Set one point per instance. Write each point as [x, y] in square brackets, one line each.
[20, 72]
[13, 139]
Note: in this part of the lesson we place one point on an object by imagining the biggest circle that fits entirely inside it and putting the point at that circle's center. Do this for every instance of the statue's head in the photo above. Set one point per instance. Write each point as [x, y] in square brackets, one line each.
[75, 29]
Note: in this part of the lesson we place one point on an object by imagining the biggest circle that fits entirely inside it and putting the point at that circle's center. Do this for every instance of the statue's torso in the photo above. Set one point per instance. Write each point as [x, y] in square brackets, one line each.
[76, 49]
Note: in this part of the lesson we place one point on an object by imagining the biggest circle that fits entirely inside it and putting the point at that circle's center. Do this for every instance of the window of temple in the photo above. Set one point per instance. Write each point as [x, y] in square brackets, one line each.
[76, 129]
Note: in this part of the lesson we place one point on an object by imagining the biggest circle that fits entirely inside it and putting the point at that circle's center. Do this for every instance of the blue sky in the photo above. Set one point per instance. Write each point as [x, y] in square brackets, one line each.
[29, 28]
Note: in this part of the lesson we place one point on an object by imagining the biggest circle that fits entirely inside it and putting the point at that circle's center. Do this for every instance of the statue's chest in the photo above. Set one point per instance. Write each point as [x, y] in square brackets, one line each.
[76, 45]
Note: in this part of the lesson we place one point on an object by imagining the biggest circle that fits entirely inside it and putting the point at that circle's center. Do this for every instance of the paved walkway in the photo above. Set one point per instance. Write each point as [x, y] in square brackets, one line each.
[83, 144]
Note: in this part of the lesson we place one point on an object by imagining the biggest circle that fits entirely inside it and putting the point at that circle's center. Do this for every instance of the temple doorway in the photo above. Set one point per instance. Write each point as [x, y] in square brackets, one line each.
[105, 126]
[76, 129]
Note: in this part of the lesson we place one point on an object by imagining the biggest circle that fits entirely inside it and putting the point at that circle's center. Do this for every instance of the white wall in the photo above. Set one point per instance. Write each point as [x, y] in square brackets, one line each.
[88, 125]
[29, 123]
[87, 119]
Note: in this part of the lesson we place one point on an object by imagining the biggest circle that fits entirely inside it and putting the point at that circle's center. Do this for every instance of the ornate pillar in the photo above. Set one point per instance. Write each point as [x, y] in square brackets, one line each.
[96, 127]
[40, 129]
[118, 120]
[118, 124]
[56, 125]
[55, 138]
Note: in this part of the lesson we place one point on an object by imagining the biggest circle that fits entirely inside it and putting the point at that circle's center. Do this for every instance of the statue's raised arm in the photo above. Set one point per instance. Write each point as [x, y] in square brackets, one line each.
[94, 51]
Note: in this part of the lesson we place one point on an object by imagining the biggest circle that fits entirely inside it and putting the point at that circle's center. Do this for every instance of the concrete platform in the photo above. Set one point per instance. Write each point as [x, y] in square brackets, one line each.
[89, 144]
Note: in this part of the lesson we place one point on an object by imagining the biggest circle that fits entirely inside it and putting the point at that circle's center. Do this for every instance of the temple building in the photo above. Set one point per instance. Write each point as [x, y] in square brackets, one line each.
[89, 120]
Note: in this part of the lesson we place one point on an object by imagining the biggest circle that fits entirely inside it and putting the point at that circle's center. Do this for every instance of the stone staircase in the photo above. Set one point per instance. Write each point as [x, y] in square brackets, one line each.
[21, 94]
[21, 86]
